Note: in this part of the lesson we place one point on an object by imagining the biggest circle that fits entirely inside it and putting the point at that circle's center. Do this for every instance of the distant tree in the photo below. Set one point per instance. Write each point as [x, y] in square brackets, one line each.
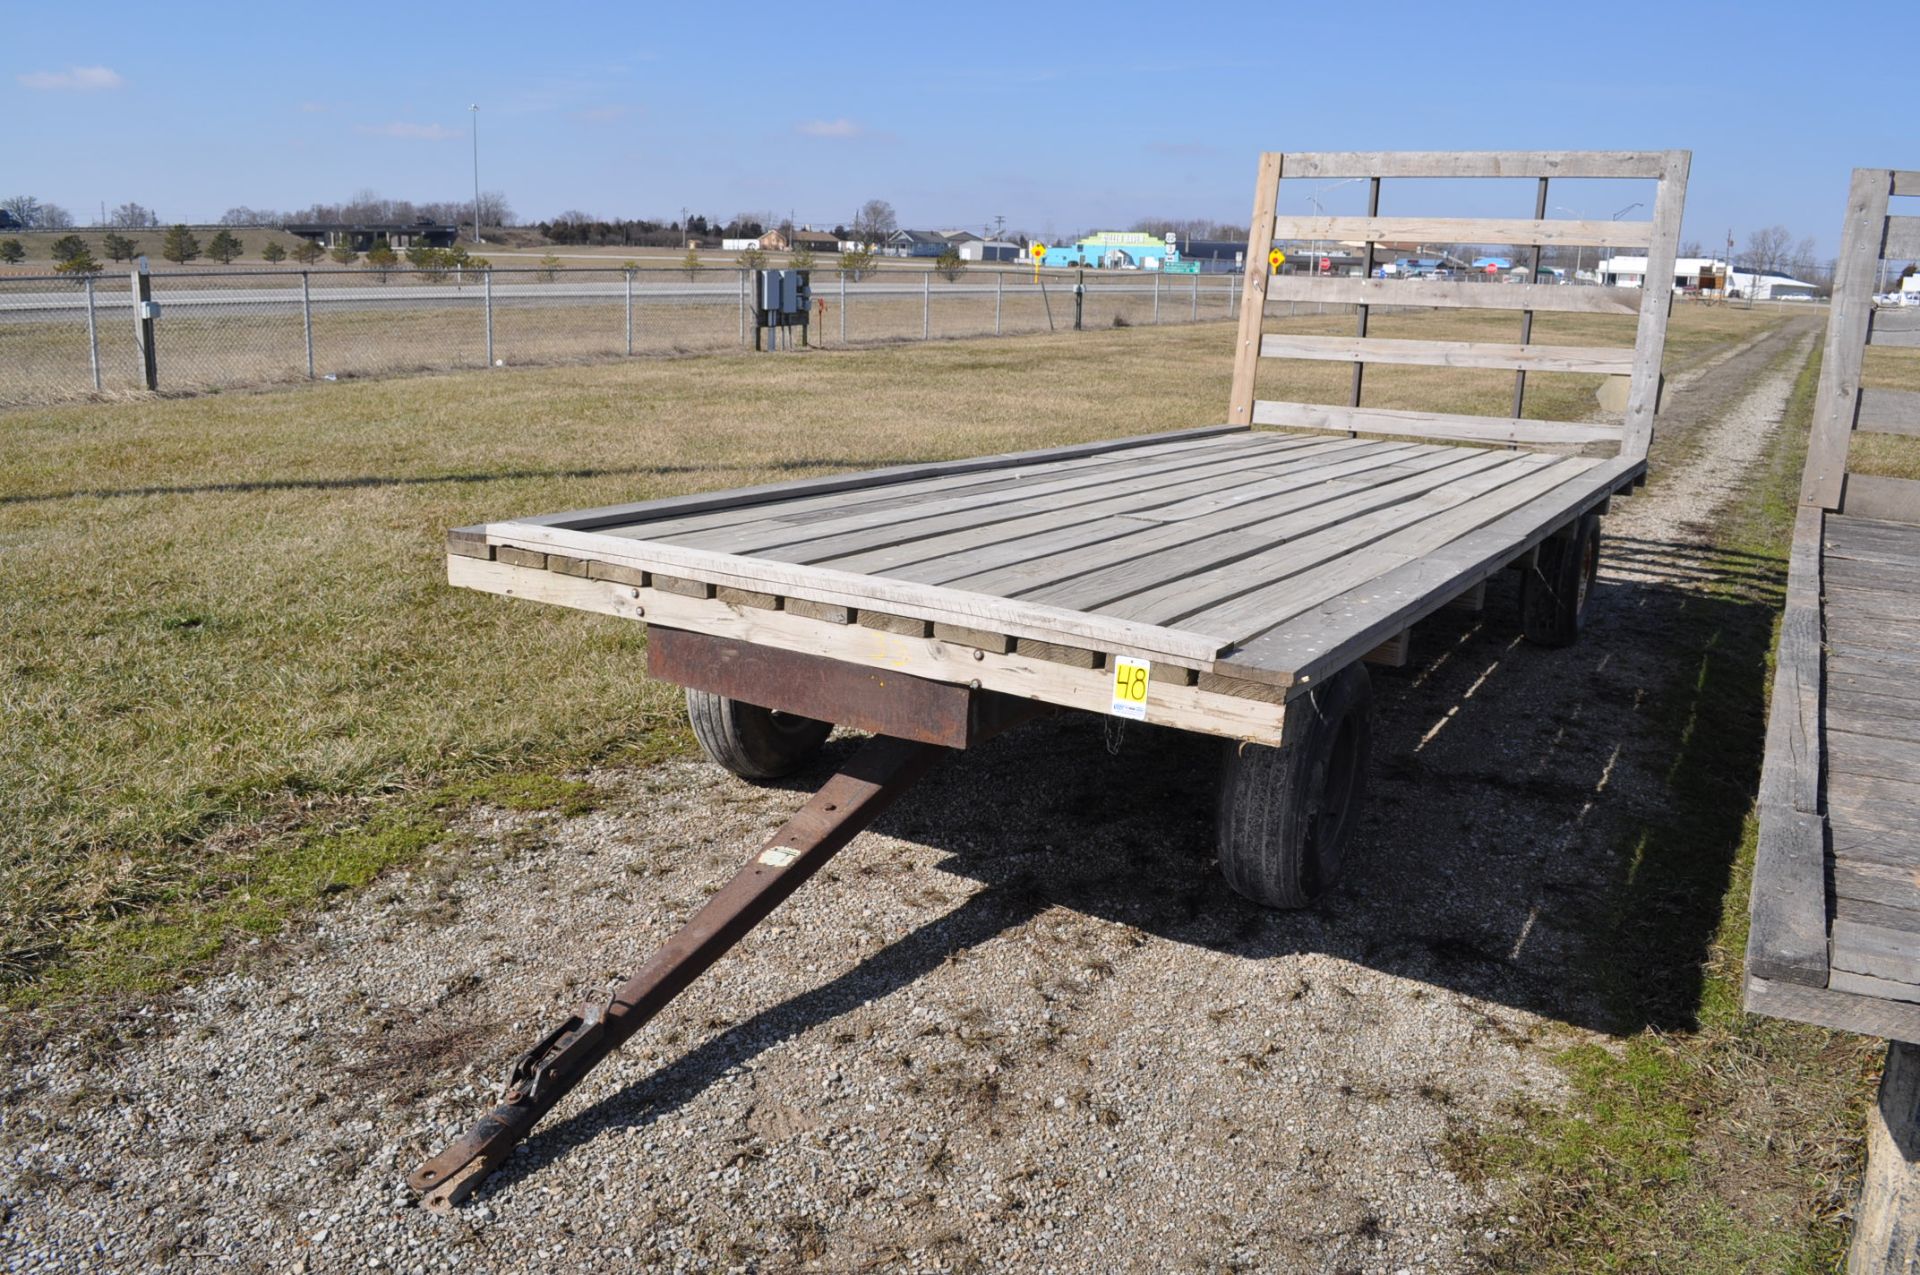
[691, 264]
[874, 222]
[344, 252]
[273, 253]
[549, 268]
[67, 247]
[81, 263]
[11, 252]
[382, 257]
[950, 264]
[132, 216]
[801, 258]
[179, 246]
[224, 247]
[1691, 248]
[857, 262]
[752, 258]
[306, 252]
[1767, 249]
[430, 262]
[54, 217]
[119, 247]
[25, 210]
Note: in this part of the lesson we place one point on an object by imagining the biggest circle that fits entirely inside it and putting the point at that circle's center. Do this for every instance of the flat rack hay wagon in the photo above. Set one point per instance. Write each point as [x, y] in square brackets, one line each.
[1231, 580]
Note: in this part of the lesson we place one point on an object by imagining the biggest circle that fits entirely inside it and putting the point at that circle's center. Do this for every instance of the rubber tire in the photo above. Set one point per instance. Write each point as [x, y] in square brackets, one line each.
[750, 741]
[1555, 590]
[1285, 813]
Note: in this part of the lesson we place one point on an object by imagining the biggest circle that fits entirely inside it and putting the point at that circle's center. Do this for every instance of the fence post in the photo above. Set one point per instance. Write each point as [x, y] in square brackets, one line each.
[1156, 296]
[93, 337]
[306, 318]
[926, 305]
[629, 276]
[742, 290]
[486, 295]
[143, 325]
[999, 291]
[1196, 296]
[843, 307]
[1079, 299]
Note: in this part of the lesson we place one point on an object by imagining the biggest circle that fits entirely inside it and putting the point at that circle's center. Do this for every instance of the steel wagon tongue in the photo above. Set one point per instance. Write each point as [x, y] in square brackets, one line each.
[1233, 580]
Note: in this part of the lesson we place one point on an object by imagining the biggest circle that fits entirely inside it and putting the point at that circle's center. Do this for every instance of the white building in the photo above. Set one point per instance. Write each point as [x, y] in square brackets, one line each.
[1709, 273]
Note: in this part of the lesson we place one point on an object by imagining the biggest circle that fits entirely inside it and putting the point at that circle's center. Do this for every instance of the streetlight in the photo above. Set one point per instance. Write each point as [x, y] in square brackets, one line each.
[1623, 212]
[1313, 198]
[475, 111]
[1580, 250]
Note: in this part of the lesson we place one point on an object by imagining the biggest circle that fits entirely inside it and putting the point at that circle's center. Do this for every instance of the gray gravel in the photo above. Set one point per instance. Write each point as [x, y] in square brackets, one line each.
[1021, 1025]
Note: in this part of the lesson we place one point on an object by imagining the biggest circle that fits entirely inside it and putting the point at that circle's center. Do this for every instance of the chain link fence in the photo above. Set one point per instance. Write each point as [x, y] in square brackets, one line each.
[63, 338]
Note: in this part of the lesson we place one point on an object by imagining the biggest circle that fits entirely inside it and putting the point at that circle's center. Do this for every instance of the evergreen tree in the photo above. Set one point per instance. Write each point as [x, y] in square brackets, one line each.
[67, 247]
[273, 253]
[11, 252]
[801, 258]
[752, 258]
[382, 257]
[691, 264]
[224, 247]
[344, 252]
[306, 252]
[119, 247]
[180, 246]
[80, 263]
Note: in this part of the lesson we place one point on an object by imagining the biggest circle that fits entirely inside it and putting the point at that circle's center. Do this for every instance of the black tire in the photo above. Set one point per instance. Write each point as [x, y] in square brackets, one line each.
[1554, 591]
[1285, 813]
[750, 741]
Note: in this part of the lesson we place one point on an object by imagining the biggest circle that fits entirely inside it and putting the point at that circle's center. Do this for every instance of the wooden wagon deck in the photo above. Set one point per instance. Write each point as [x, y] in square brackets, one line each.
[1835, 935]
[1242, 564]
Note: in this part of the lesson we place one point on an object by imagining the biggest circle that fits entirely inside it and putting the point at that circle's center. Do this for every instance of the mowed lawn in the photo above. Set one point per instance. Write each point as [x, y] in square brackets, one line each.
[236, 681]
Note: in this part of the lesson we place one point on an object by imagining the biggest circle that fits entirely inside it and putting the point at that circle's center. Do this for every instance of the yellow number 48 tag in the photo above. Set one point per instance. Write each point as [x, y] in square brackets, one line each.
[1130, 687]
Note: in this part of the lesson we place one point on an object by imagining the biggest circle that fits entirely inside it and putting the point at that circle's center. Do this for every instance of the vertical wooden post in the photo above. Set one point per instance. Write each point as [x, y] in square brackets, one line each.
[1366, 272]
[1837, 401]
[629, 278]
[93, 337]
[306, 318]
[999, 291]
[1196, 296]
[1656, 304]
[843, 307]
[1253, 299]
[1886, 1228]
[143, 325]
[1526, 316]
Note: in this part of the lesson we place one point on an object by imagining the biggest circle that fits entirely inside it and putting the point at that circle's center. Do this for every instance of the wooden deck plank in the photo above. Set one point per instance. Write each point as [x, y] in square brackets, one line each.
[1411, 424]
[1826, 1007]
[1218, 570]
[1878, 914]
[778, 525]
[743, 497]
[840, 538]
[1338, 630]
[1598, 360]
[1790, 766]
[1852, 754]
[1885, 989]
[1787, 909]
[1873, 496]
[1189, 557]
[954, 559]
[1877, 951]
[1274, 603]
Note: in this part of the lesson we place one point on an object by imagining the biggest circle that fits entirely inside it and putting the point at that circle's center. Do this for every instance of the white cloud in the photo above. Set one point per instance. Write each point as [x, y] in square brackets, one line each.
[410, 132]
[841, 127]
[82, 78]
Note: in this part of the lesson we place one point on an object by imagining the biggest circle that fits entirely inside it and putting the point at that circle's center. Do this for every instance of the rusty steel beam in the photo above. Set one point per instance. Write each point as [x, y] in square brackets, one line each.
[865, 786]
[879, 701]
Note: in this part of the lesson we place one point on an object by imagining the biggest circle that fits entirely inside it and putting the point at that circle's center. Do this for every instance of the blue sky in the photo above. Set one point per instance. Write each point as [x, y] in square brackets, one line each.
[1058, 119]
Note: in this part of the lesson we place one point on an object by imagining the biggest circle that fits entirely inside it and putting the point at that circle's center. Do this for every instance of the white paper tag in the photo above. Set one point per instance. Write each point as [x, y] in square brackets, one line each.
[1130, 678]
[779, 856]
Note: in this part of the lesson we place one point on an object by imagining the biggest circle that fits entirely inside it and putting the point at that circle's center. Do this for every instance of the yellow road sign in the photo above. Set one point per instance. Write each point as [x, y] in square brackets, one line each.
[1038, 250]
[1276, 258]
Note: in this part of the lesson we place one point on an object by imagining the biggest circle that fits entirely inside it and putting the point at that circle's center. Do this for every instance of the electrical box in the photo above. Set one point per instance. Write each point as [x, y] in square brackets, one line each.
[781, 299]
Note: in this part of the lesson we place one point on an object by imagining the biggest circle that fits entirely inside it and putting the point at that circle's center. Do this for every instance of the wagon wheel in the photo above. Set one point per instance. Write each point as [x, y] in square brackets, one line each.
[1554, 591]
[750, 741]
[1285, 813]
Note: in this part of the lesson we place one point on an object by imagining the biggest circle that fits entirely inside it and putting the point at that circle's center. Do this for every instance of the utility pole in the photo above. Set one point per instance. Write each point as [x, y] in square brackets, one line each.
[474, 111]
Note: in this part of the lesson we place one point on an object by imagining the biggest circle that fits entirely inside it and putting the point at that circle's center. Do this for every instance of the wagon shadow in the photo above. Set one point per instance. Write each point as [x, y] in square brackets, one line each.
[1552, 831]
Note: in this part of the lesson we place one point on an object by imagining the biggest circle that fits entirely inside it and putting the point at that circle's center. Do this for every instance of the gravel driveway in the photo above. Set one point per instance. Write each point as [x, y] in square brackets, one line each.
[1021, 1025]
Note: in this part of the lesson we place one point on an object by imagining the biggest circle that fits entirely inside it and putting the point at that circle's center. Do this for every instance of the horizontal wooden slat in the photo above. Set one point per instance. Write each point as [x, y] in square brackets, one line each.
[1462, 230]
[1902, 242]
[1828, 1007]
[1906, 181]
[1602, 360]
[1888, 412]
[1319, 164]
[1787, 934]
[1897, 326]
[1891, 499]
[1876, 951]
[1400, 422]
[1564, 298]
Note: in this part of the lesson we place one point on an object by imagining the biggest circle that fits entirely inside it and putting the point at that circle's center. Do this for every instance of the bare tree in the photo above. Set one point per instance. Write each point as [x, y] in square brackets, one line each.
[875, 222]
[134, 216]
[25, 210]
[54, 217]
[1767, 250]
[1691, 248]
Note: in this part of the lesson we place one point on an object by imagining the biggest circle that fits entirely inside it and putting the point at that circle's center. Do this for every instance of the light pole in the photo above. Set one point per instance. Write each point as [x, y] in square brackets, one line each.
[1320, 209]
[1580, 250]
[1623, 212]
[474, 110]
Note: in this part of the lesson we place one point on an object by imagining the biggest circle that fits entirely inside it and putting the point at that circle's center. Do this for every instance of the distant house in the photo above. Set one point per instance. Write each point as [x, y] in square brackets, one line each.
[8, 221]
[399, 237]
[1705, 273]
[915, 243]
[977, 249]
[778, 240]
